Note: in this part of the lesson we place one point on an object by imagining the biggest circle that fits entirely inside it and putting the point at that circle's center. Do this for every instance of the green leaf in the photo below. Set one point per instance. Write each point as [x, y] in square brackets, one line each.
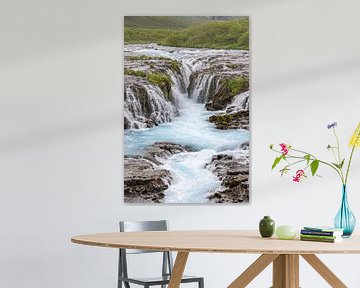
[307, 157]
[276, 162]
[336, 165]
[342, 163]
[339, 166]
[314, 166]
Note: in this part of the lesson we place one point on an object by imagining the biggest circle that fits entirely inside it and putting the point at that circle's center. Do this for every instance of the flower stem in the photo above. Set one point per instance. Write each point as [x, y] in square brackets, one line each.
[348, 167]
[311, 159]
[338, 146]
[304, 152]
[296, 162]
[339, 156]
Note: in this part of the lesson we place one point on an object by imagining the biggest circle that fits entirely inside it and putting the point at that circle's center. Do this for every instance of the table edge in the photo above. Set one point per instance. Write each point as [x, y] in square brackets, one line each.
[203, 250]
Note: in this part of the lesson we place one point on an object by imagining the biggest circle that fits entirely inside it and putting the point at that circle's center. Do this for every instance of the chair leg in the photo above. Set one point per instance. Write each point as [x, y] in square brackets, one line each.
[201, 283]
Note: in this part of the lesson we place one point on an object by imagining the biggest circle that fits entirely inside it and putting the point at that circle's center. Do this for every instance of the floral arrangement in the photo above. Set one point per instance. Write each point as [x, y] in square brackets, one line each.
[292, 156]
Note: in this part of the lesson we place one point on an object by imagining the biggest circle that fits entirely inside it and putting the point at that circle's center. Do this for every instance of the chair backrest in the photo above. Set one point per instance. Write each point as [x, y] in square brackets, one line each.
[134, 226]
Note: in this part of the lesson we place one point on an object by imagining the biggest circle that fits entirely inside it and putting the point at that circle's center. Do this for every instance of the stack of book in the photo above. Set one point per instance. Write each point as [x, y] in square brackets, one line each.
[321, 234]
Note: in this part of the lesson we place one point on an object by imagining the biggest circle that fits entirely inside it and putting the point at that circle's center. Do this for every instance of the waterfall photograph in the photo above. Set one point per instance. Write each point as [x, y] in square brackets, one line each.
[186, 109]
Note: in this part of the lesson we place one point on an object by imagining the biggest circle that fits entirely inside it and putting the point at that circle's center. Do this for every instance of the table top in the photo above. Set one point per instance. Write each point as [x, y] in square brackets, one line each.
[217, 241]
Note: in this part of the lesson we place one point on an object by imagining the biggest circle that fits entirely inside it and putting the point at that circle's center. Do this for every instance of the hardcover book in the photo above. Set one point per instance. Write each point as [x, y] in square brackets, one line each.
[323, 228]
[321, 233]
[325, 240]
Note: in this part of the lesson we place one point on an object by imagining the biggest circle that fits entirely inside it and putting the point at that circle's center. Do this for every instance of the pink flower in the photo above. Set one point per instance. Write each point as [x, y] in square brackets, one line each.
[300, 174]
[284, 148]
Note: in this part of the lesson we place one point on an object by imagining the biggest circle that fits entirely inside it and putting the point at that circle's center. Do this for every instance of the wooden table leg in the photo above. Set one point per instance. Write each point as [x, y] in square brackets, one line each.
[178, 269]
[253, 270]
[286, 271]
[324, 271]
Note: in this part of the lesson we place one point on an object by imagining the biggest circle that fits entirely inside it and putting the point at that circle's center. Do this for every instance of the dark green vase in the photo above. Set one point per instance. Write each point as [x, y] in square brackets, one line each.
[267, 227]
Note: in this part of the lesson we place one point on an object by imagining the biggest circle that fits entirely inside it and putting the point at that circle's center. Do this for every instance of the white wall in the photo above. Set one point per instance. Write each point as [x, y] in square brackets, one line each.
[61, 132]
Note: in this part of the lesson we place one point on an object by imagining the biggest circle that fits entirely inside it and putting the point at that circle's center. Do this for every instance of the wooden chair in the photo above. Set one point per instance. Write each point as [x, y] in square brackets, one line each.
[167, 262]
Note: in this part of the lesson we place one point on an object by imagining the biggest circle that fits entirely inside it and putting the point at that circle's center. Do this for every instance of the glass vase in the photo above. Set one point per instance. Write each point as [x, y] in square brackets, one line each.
[345, 219]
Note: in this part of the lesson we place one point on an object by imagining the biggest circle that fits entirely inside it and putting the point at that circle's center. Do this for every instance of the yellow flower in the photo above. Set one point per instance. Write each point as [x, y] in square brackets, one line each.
[355, 137]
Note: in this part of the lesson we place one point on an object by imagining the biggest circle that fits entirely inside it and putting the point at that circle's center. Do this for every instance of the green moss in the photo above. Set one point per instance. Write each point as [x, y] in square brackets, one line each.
[237, 85]
[225, 120]
[232, 66]
[162, 80]
[137, 73]
[175, 66]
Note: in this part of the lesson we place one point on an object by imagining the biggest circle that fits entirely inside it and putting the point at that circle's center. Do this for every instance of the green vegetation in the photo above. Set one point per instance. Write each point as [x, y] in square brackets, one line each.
[138, 73]
[196, 32]
[232, 66]
[237, 85]
[239, 119]
[145, 35]
[226, 121]
[224, 118]
[175, 66]
[157, 78]
[163, 22]
[172, 64]
[232, 34]
[162, 80]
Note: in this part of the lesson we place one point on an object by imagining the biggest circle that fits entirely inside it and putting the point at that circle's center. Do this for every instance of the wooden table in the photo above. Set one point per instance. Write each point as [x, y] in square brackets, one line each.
[284, 254]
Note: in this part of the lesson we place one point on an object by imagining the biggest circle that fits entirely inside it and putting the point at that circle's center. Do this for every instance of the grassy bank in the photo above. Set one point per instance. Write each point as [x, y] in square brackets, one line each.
[196, 32]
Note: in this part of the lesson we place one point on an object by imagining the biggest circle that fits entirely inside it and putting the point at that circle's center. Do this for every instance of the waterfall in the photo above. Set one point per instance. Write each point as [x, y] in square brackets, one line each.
[199, 76]
[146, 106]
[201, 86]
[197, 80]
[241, 101]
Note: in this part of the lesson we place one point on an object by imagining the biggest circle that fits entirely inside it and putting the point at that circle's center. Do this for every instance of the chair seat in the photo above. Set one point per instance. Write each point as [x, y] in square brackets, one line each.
[158, 280]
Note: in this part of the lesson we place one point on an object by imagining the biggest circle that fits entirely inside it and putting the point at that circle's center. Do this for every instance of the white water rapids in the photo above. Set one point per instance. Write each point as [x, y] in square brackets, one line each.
[192, 182]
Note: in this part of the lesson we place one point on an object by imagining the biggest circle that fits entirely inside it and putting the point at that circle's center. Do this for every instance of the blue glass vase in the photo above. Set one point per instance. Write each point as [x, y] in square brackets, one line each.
[345, 219]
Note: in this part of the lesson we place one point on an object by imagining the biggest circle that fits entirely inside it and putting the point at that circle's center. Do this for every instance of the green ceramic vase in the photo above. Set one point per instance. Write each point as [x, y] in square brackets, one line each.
[267, 227]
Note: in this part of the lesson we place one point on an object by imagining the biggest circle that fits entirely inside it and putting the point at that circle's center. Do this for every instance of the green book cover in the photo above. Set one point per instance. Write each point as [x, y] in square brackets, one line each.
[321, 239]
[319, 236]
[323, 228]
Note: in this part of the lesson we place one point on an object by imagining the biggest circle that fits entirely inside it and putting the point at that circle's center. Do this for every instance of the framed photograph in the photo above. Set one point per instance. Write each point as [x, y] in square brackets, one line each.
[186, 109]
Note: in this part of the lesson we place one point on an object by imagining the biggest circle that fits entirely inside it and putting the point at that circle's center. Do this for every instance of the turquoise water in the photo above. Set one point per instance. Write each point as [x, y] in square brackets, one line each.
[189, 128]
[192, 182]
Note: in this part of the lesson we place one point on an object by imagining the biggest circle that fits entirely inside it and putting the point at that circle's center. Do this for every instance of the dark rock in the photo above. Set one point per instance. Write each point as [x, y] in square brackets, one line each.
[235, 120]
[143, 181]
[233, 172]
[164, 150]
[245, 146]
[209, 106]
